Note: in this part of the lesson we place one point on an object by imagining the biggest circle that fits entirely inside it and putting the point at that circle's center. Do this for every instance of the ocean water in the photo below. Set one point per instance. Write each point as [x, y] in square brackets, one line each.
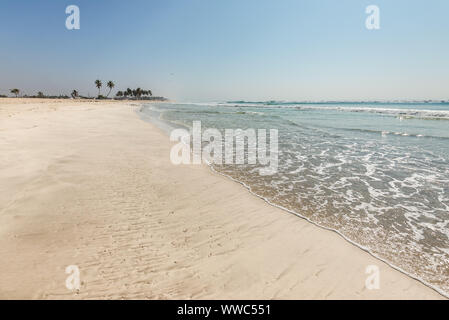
[377, 173]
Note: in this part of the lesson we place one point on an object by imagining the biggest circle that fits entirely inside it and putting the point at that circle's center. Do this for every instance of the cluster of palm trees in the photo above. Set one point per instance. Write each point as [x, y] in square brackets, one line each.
[138, 93]
[99, 84]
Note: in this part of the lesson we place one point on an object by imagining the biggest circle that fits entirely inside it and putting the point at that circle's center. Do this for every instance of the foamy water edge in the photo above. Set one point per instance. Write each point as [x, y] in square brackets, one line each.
[248, 188]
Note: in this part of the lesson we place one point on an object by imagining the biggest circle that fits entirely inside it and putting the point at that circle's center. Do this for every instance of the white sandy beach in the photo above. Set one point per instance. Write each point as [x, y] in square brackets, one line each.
[91, 184]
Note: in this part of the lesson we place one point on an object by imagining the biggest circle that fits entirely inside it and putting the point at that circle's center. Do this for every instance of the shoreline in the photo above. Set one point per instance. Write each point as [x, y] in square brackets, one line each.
[299, 215]
[140, 227]
[417, 278]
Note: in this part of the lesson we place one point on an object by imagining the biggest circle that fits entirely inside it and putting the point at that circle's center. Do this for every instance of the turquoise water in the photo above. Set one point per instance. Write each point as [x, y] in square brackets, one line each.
[378, 173]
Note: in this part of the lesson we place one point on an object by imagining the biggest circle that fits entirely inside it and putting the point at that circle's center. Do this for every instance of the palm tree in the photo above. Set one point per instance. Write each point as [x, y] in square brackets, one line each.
[129, 92]
[119, 94]
[15, 91]
[138, 92]
[110, 85]
[74, 94]
[98, 84]
[40, 94]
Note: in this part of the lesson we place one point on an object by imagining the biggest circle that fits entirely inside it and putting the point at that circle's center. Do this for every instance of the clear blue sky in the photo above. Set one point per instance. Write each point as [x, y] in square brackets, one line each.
[197, 50]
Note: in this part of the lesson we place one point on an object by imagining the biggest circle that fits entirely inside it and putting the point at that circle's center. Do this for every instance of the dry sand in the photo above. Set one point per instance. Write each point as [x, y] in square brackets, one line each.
[91, 184]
